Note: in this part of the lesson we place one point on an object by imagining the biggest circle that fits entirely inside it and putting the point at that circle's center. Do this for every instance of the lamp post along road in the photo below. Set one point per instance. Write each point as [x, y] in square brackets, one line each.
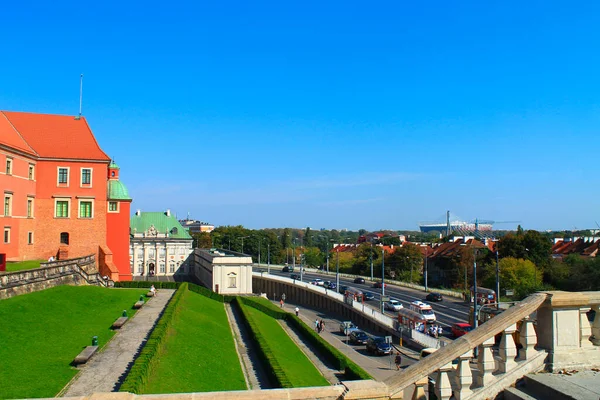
[268, 258]
[426, 255]
[382, 277]
[475, 302]
[327, 256]
[371, 258]
[301, 259]
[259, 243]
[497, 282]
[337, 269]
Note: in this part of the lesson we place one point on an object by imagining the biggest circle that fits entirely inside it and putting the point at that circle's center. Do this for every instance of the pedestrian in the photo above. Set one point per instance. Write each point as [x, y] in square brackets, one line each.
[317, 326]
[281, 303]
[398, 360]
[153, 290]
[321, 326]
[51, 259]
[297, 311]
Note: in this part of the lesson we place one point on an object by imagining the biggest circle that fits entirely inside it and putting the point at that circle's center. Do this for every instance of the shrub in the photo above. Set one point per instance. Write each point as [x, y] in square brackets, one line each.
[144, 364]
[147, 284]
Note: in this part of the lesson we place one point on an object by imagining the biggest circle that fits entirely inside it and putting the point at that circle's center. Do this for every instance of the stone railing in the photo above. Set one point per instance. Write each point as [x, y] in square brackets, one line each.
[561, 337]
[75, 271]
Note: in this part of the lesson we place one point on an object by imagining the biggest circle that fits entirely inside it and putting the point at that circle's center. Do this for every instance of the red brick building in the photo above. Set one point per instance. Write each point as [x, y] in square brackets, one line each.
[62, 196]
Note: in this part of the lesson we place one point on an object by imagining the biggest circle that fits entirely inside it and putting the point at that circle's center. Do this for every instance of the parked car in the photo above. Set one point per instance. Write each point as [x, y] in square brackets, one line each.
[287, 269]
[393, 305]
[359, 280]
[378, 345]
[295, 276]
[378, 285]
[460, 328]
[434, 297]
[343, 289]
[358, 337]
[347, 327]
[368, 296]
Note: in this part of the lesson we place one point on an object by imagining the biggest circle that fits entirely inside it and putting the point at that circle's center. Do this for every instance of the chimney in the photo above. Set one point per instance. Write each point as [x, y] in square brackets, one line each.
[168, 212]
[138, 212]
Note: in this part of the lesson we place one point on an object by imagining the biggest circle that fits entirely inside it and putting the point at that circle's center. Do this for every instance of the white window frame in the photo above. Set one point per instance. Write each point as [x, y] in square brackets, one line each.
[162, 267]
[30, 212]
[232, 281]
[30, 237]
[108, 207]
[31, 172]
[79, 201]
[6, 236]
[9, 165]
[58, 183]
[68, 200]
[8, 196]
[86, 185]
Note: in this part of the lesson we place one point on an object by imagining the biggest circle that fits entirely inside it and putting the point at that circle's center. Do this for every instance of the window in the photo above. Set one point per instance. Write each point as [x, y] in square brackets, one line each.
[131, 251]
[182, 251]
[62, 209]
[86, 176]
[29, 237]
[162, 252]
[9, 165]
[172, 268]
[113, 206]
[31, 172]
[85, 209]
[64, 238]
[151, 253]
[63, 176]
[162, 267]
[140, 267]
[232, 281]
[29, 208]
[140, 253]
[6, 235]
[7, 205]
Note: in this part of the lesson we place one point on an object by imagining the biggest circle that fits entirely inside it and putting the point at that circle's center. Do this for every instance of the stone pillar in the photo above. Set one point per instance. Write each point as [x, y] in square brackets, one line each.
[528, 340]
[464, 376]
[485, 363]
[443, 388]
[596, 326]
[585, 328]
[508, 350]
[419, 392]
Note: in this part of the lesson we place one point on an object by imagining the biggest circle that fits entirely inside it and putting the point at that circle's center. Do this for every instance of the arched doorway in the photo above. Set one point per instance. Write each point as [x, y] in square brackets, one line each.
[151, 269]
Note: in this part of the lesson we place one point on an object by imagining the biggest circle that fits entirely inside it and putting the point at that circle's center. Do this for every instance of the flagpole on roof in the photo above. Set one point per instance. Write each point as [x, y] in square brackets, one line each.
[80, 94]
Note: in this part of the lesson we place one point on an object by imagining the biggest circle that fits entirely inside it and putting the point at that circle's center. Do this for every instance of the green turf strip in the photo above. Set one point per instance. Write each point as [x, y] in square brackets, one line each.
[42, 332]
[298, 367]
[23, 265]
[200, 352]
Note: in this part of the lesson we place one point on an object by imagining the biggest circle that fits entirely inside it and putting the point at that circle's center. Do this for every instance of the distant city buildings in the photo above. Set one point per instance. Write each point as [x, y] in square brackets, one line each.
[159, 245]
[195, 227]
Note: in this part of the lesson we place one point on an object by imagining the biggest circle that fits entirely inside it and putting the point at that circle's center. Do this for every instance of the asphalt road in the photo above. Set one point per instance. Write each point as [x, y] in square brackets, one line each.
[447, 312]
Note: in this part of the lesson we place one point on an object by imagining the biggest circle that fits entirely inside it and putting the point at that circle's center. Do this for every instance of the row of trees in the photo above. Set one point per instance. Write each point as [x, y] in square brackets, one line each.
[524, 258]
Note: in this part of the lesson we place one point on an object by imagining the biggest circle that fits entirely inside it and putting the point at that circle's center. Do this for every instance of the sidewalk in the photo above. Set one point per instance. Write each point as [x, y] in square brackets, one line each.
[377, 367]
[107, 369]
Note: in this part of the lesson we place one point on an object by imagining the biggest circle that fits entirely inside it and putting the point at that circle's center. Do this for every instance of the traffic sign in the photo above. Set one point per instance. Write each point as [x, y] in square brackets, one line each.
[388, 339]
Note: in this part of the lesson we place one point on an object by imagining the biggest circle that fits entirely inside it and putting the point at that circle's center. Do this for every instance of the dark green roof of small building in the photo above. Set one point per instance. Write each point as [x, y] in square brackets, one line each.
[113, 165]
[161, 222]
[117, 190]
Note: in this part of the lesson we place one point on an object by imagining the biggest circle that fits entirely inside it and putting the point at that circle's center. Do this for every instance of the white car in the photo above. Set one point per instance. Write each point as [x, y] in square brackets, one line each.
[393, 305]
[318, 282]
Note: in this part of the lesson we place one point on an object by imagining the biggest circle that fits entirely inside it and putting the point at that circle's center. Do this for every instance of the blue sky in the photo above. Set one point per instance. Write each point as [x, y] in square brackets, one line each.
[336, 115]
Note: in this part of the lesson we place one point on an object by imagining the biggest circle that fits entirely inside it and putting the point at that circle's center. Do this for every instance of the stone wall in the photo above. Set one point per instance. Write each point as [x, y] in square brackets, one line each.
[77, 271]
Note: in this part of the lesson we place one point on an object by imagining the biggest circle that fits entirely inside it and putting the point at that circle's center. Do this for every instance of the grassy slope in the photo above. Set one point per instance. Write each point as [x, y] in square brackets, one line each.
[23, 265]
[298, 367]
[200, 355]
[42, 332]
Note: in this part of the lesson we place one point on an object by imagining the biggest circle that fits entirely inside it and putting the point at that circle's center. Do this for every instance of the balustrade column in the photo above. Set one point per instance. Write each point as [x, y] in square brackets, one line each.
[596, 326]
[508, 350]
[419, 392]
[528, 339]
[464, 376]
[585, 328]
[443, 388]
[485, 363]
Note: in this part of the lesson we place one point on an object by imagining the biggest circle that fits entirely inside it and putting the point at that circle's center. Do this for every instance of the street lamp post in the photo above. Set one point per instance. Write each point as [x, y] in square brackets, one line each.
[293, 254]
[382, 277]
[371, 258]
[268, 258]
[259, 243]
[243, 237]
[301, 259]
[497, 282]
[337, 269]
[426, 256]
[475, 302]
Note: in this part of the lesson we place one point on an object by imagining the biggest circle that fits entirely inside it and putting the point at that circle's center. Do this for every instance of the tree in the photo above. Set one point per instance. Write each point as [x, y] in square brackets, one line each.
[286, 238]
[202, 240]
[307, 237]
[406, 261]
[313, 257]
[517, 274]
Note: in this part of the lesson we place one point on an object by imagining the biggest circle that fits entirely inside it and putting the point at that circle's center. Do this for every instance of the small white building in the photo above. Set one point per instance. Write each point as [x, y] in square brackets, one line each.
[158, 245]
[223, 271]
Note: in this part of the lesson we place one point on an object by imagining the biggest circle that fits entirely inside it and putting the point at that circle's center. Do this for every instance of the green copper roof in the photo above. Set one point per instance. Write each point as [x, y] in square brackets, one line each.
[161, 222]
[117, 191]
[113, 165]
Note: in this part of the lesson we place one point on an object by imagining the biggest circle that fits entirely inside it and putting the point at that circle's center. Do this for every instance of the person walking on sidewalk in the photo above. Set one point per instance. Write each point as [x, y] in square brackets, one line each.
[317, 326]
[398, 360]
[297, 311]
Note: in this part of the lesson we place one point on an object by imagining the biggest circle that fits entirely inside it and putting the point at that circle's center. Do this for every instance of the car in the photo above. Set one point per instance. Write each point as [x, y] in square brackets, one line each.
[377, 345]
[434, 297]
[368, 296]
[358, 337]
[317, 281]
[359, 280]
[378, 285]
[460, 328]
[347, 327]
[295, 276]
[393, 305]
[329, 285]
[287, 269]
[343, 289]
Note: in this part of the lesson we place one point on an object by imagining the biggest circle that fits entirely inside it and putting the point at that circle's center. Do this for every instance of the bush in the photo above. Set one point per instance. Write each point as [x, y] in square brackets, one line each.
[147, 284]
[143, 366]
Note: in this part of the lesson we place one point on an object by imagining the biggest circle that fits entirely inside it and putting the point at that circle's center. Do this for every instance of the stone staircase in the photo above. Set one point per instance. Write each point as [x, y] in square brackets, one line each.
[583, 385]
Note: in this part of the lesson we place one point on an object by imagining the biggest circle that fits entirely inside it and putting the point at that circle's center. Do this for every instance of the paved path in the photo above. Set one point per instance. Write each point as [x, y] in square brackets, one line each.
[107, 369]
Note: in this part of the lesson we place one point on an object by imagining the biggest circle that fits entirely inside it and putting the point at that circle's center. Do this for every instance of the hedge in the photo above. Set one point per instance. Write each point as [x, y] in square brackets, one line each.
[142, 368]
[275, 373]
[209, 293]
[351, 370]
[147, 284]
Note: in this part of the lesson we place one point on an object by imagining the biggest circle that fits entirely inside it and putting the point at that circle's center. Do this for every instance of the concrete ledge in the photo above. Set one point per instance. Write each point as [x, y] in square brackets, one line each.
[119, 322]
[138, 304]
[85, 355]
[365, 390]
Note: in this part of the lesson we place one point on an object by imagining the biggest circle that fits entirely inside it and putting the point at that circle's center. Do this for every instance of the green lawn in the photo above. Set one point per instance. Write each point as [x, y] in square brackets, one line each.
[42, 332]
[23, 265]
[200, 352]
[298, 367]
